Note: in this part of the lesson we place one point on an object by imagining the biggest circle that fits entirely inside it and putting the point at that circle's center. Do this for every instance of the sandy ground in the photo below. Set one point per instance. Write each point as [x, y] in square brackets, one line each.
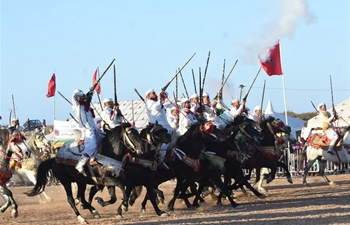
[286, 203]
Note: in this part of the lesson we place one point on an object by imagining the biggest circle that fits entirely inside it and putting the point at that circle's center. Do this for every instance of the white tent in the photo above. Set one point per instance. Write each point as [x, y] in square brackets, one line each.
[343, 110]
[294, 123]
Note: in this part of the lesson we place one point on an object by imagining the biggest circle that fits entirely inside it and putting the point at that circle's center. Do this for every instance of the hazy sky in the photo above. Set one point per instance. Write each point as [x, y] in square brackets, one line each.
[150, 39]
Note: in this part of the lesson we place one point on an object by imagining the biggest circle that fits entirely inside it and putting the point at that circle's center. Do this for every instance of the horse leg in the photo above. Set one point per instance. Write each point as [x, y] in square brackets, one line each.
[272, 176]
[112, 195]
[68, 188]
[322, 165]
[81, 196]
[223, 189]
[179, 182]
[286, 170]
[93, 190]
[124, 203]
[160, 194]
[152, 197]
[10, 201]
[306, 170]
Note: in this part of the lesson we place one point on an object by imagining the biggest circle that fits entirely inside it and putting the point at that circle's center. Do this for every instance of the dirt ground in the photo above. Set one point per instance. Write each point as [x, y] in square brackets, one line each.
[286, 203]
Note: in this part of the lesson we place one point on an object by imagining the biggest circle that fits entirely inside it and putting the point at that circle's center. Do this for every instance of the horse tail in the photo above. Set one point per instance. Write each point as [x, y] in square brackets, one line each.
[42, 177]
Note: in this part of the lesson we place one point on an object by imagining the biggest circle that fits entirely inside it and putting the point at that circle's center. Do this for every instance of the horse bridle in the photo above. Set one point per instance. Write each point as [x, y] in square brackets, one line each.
[127, 141]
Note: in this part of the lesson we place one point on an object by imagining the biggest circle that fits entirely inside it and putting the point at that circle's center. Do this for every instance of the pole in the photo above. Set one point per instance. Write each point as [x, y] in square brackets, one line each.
[284, 90]
[262, 100]
[98, 95]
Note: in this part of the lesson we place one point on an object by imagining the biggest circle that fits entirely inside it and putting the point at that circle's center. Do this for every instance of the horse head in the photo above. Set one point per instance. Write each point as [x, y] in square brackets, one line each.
[131, 139]
[250, 128]
[38, 141]
[18, 146]
[156, 134]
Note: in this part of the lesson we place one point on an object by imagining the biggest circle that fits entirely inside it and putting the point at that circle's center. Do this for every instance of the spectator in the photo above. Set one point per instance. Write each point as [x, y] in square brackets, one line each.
[44, 126]
[299, 153]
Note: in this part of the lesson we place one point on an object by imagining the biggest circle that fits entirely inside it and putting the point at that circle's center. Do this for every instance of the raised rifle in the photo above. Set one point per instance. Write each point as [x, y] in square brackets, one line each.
[262, 100]
[139, 95]
[228, 76]
[99, 79]
[194, 82]
[333, 108]
[115, 85]
[246, 95]
[183, 82]
[314, 106]
[205, 71]
[167, 85]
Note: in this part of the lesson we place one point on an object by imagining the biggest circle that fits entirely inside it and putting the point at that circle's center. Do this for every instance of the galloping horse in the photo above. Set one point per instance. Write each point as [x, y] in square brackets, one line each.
[27, 169]
[16, 148]
[64, 169]
[268, 152]
[316, 151]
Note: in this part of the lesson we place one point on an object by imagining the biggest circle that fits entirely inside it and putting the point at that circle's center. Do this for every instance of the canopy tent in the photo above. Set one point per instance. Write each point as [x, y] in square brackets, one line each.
[294, 123]
[343, 110]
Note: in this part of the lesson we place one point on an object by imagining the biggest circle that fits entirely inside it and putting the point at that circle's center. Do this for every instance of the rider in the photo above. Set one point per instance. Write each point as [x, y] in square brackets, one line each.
[327, 118]
[209, 112]
[155, 109]
[238, 109]
[173, 118]
[111, 114]
[92, 134]
[256, 116]
[14, 126]
[187, 117]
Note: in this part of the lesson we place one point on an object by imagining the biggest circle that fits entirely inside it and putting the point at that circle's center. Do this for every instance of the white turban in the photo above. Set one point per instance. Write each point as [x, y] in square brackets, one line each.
[194, 96]
[107, 100]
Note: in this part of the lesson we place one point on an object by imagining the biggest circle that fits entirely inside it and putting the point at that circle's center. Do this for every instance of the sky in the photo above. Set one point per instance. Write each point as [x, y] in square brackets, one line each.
[150, 40]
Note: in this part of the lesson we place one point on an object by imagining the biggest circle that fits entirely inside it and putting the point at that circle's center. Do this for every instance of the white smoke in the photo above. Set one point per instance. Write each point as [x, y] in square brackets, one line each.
[290, 13]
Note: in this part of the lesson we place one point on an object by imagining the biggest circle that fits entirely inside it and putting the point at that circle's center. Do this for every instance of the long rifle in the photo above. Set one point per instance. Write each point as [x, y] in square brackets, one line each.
[246, 95]
[333, 108]
[228, 76]
[262, 100]
[205, 71]
[314, 106]
[223, 76]
[194, 82]
[14, 108]
[115, 86]
[183, 82]
[177, 89]
[64, 97]
[139, 95]
[99, 79]
[200, 92]
[167, 85]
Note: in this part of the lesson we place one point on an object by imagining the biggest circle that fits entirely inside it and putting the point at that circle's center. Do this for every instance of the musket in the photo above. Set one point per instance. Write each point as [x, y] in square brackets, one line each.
[183, 82]
[228, 76]
[194, 82]
[73, 117]
[115, 85]
[314, 106]
[140, 95]
[262, 100]
[64, 97]
[14, 108]
[167, 85]
[246, 95]
[205, 71]
[223, 74]
[99, 79]
[200, 91]
[177, 89]
[330, 79]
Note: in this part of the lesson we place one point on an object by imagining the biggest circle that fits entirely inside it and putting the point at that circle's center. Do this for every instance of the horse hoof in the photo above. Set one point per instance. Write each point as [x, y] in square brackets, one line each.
[290, 180]
[238, 206]
[14, 213]
[164, 214]
[262, 196]
[331, 183]
[82, 220]
[143, 210]
[219, 203]
[42, 201]
[125, 208]
[305, 184]
[120, 217]
[95, 214]
[50, 199]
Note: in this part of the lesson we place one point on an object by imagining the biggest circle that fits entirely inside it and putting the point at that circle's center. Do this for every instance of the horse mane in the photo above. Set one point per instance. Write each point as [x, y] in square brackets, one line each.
[4, 138]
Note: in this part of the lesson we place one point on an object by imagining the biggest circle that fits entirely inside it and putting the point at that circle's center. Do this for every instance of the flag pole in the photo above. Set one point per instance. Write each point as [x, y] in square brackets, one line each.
[99, 95]
[54, 108]
[284, 90]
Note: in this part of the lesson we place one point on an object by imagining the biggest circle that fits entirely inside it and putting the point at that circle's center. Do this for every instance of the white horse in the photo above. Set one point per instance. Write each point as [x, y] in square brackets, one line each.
[27, 171]
[11, 147]
[342, 155]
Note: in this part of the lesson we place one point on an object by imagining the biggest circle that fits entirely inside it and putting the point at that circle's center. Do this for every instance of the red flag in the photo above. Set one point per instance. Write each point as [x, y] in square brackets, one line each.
[272, 65]
[98, 87]
[51, 89]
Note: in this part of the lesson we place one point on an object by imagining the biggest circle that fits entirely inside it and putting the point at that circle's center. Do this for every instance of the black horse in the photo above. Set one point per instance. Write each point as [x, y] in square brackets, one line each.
[266, 154]
[113, 146]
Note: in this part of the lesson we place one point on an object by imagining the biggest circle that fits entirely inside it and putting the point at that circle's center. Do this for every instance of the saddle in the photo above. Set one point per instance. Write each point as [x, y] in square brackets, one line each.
[214, 160]
[70, 153]
[322, 141]
[270, 152]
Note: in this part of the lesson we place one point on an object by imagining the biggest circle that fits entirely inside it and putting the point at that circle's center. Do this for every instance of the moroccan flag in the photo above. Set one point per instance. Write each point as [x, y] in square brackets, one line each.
[51, 89]
[272, 63]
[98, 87]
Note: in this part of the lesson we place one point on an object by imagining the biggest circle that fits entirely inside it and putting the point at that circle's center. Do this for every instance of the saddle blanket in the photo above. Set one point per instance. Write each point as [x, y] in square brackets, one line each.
[70, 153]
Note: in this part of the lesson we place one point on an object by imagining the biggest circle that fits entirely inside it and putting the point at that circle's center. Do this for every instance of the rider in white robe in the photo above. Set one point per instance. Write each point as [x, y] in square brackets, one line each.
[187, 117]
[111, 114]
[327, 119]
